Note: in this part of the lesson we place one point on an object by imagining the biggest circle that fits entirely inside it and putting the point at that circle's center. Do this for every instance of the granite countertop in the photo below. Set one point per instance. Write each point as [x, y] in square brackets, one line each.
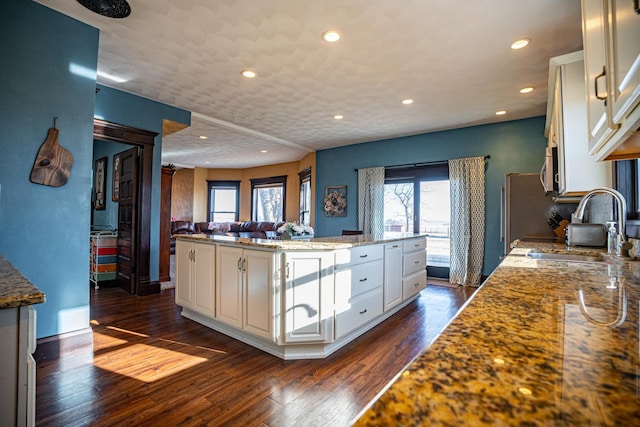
[318, 243]
[525, 351]
[15, 289]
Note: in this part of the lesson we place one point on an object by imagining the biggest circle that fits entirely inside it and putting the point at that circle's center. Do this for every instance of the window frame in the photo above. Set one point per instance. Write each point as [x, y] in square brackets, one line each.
[274, 181]
[226, 185]
[305, 180]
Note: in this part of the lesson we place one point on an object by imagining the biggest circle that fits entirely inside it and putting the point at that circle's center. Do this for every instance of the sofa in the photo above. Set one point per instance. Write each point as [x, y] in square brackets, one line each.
[251, 229]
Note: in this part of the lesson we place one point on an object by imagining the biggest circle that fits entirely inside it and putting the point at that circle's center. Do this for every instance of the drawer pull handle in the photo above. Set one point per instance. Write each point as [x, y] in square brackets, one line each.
[363, 256]
[395, 246]
[363, 280]
[417, 284]
[416, 262]
[416, 245]
[364, 311]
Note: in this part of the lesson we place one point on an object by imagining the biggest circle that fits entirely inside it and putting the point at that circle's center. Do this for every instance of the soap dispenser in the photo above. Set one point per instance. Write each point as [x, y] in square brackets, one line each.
[612, 238]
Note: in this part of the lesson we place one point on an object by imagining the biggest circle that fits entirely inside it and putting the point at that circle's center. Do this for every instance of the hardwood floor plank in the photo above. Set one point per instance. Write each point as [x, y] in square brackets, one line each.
[150, 366]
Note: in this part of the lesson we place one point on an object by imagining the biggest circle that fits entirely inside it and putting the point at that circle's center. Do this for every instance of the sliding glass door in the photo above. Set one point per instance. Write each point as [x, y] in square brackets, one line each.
[416, 199]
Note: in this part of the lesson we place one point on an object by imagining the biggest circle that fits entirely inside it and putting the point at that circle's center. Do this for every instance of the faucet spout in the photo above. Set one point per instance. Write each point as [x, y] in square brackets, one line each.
[621, 207]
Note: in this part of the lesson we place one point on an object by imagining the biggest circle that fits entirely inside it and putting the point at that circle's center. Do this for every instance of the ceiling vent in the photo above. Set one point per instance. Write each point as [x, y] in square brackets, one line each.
[108, 8]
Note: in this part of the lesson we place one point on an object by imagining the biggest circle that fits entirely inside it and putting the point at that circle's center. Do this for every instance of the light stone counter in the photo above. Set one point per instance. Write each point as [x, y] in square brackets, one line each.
[314, 244]
[15, 289]
[525, 351]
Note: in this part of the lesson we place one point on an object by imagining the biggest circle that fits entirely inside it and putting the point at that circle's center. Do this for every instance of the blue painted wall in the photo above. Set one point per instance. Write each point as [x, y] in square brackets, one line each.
[516, 146]
[48, 63]
[49, 69]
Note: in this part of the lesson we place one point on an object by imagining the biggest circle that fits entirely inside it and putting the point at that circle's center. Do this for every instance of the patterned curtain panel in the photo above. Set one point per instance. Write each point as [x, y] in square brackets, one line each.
[371, 200]
[466, 177]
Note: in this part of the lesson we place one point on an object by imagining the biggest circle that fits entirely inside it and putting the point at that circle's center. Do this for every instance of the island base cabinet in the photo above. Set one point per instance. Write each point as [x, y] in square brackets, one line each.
[308, 297]
[195, 274]
[245, 290]
[413, 284]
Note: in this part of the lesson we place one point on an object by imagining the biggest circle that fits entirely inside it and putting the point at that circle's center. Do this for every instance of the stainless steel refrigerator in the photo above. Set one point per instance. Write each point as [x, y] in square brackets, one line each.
[526, 210]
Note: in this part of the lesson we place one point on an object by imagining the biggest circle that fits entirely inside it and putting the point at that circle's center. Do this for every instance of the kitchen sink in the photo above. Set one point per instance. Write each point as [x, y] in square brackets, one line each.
[549, 256]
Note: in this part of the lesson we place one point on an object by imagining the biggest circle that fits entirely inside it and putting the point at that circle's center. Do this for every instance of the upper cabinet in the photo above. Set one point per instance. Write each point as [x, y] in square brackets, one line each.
[611, 34]
[566, 128]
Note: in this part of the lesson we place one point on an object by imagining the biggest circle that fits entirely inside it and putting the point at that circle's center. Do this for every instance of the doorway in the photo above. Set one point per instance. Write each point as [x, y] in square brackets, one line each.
[136, 213]
[416, 200]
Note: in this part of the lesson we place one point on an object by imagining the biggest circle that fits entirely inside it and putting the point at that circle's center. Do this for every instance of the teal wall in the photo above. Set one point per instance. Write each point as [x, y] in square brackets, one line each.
[49, 66]
[44, 230]
[516, 146]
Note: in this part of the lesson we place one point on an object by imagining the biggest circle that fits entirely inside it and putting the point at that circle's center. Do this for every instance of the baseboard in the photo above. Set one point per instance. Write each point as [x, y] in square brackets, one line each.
[48, 348]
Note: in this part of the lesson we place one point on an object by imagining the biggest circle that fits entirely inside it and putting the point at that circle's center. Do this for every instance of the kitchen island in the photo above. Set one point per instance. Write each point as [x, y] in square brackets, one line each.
[297, 299]
[17, 335]
[542, 342]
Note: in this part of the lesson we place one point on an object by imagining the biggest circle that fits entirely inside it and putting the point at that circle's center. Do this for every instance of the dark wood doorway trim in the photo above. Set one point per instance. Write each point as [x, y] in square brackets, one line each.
[144, 139]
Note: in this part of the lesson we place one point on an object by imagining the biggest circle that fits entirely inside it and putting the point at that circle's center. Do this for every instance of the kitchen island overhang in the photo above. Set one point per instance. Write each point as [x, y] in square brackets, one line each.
[298, 299]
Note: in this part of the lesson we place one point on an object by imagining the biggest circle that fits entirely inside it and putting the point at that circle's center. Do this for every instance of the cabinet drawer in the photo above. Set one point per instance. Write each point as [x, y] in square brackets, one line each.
[413, 284]
[351, 317]
[414, 245]
[358, 255]
[358, 280]
[414, 262]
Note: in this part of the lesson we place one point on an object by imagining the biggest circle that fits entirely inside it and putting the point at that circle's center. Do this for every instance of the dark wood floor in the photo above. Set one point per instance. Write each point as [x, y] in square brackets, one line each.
[150, 366]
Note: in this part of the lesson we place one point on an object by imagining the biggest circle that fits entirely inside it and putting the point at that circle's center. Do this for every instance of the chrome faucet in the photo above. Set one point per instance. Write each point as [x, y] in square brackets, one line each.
[623, 246]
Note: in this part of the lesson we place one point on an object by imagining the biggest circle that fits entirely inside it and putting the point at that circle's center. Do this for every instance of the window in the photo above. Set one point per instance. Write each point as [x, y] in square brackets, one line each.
[268, 198]
[223, 204]
[305, 197]
[416, 200]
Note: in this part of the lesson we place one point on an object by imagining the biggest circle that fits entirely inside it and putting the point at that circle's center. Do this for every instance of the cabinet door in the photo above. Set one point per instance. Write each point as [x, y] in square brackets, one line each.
[624, 58]
[594, 33]
[204, 261]
[392, 275]
[308, 298]
[258, 293]
[229, 285]
[184, 272]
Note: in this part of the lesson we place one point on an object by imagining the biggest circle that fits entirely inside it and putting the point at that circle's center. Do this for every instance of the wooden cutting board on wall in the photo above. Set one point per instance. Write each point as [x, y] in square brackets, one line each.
[53, 162]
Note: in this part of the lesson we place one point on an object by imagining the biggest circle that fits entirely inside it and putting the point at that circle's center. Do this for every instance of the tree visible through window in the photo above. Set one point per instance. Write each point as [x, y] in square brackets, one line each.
[268, 199]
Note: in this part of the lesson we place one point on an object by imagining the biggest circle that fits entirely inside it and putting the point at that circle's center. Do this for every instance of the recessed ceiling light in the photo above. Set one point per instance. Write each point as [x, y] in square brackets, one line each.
[248, 74]
[206, 163]
[520, 43]
[527, 89]
[203, 137]
[338, 117]
[407, 101]
[331, 36]
[263, 151]
[501, 112]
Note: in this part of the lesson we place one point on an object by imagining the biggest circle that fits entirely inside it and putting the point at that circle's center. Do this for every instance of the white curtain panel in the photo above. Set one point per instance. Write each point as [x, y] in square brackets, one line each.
[466, 178]
[371, 200]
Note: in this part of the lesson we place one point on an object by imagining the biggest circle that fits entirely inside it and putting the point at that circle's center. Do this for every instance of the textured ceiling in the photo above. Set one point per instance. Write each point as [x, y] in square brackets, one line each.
[452, 58]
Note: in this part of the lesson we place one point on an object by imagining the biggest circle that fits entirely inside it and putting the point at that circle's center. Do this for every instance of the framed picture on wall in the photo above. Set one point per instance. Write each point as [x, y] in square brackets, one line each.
[100, 184]
[115, 186]
[335, 200]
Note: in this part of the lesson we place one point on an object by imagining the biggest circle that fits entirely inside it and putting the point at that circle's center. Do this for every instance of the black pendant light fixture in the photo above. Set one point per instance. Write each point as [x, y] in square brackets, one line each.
[108, 8]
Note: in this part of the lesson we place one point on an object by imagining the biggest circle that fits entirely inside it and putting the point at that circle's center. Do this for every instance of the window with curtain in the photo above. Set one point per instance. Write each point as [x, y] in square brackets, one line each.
[268, 198]
[305, 197]
[223, 204]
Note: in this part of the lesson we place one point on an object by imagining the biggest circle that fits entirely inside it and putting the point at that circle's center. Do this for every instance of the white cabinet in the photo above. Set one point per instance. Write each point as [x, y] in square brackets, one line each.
[392, 287]
[414, 267]
[18, 368]
[358, 287]
[611, 30]
[195, 268]
[308, 297]
[567, 122]
[245, 289]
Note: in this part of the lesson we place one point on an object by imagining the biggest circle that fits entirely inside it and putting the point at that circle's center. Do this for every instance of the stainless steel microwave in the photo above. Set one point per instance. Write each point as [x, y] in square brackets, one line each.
[549, 171]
